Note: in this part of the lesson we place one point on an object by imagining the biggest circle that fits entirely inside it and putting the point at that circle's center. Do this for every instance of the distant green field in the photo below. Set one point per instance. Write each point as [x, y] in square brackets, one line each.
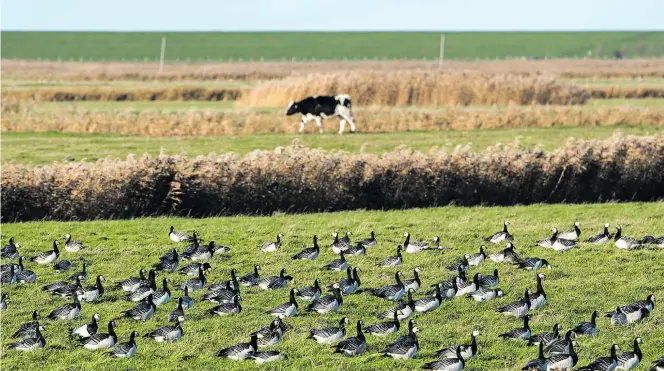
[197, 46]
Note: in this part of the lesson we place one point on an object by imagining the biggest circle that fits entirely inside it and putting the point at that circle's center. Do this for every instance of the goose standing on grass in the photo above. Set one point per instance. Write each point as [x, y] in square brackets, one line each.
[350, 284]
[125, 350]
[562, 346]
[25, 276]
[368, 242]
[547, 337]
[327, 304]
[268, 356]
[310, 253]
[419, 246]
[404, 347]
[62, 266]
[10, 251]
[225, 309]
[356, 250]
[501, 236]
[86, 330]
[562, 361]
[414, 283]
[143, 311]
[66, 311]
[3, 301]
[548, 242]
[518, 308]
[241, 351]
[571, 234]
[30, 344]
[252, 278]
[631, 310]
[533, 264]
[352, 346]
[162, 295]
[131, 283]
[167, 333]
[91, 293]
[27, 329]
[539, 363]
[505, 255]
[168, 263]
[274, 282]
[338, 245]
[73, 245]
[83, 274]
[468, 351]
[476, 259]
[538, 298]
[337, 264]
[630, 360]
[392, 292]
[403, 310]
[331, 334]
[310, 293]
[287, 309]
[179, 236]
[178, 312]
[100, 340]
[384, 328]
[587, 328]
[47, 257]
[271, 246]
[522, 333]
[604, 363]
[429, 303]
[489, 281]
[448, 364]
[601, 238]
[625, 242]
[486, 294]
[196, 283]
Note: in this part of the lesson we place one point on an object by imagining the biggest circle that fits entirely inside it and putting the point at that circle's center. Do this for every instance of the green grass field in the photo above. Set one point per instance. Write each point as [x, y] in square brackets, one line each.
[582, 280]
[222, 46]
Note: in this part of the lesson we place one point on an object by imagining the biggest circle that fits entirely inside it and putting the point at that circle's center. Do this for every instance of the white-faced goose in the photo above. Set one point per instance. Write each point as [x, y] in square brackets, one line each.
[179, 236]
[404, 347]
[572, 234]
[632, 311]
[429, 303]
[384, 328]
[3, 301]
[169, 262]
[187, 301]
[500, 236]
[162, 295]
[10, 251]
[271, 246]
[392, 261]
[310, 253]
[143, 311]
[178, 312]
[194, 245]
[604, 363]
[62, 266]
[9, 277]
[101, 340]
[587, 328]
[73, 245]
[368, 242]
[195, 283]
[403, 310]
[460, 264]
[66, 311]
[54, 286]
[489, 281]
[537, 364]
[448, 288]
[30, 344]
[25, 276]
[356, 250]
[562, 361]
[67, 290]
[240, 351]
[658, 364]
[339, 245]
[630, 360]
[518, 308]
[468, 351]
[225, 309]
[477, 258]
[86, 330]
[625, 242]
[547, 337]
[276, 326]
[337, 264]
[538, 298]
[47, 257]
[252, 278]
[17, 267]
[466, 287]
[448, 364]
[486, 294]
[548, 242]
[415, 283]
[327, 304]
[562, 346]
[202, 253]
[132, 283]
[522, 333]
[275, 282]
[91, 293]
[125, 350]
[419, 246]
[350, 284]
[287, 309]
[505, 255]
[192, 269]
[143, 291]
[268, 356]
[27, 329]
[167, 333]
[601, 238]
[392, 292]
[331, 334]
[561, 244]
[352, 346]
[271, 338]
[346, 239]
[533, 264]
[310, 293]
[223, 295]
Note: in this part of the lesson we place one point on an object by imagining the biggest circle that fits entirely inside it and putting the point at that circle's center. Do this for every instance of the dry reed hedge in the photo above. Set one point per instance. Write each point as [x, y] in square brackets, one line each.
[176, 93]
[21, 117]
[298, 179]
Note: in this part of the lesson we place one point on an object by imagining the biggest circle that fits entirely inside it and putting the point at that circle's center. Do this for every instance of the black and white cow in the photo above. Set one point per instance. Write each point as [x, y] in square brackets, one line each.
[319, 107]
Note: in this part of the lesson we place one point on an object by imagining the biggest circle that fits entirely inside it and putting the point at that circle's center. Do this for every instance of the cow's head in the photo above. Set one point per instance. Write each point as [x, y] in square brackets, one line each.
[292, 108]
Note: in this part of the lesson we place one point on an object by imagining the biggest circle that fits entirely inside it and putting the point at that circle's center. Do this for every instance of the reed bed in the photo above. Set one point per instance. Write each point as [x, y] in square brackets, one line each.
[123, 93]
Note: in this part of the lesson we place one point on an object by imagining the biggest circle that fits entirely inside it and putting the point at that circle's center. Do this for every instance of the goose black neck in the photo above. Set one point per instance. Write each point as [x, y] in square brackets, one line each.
[505, 228]
[254, 342]
[100, 288]
[282, 274]
[342, 323]
[618, 234]
[292, 298]
[180, 304]
[613, 352]
[278, 239]
[540, 354]
[356, 276]
[397, 277]
[55, 247]
[417, 277]
[407, 241]
[577, 230]
[526, 324]
[438, 294]
[473, 343]
[540, 289]
[132, 338]
[606, 230]
[593, 319]
[637, 349]
[111, 331]
[360, 334]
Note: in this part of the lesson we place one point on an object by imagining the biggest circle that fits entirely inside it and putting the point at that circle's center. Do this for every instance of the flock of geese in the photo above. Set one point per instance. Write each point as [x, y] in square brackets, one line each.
[148, 297]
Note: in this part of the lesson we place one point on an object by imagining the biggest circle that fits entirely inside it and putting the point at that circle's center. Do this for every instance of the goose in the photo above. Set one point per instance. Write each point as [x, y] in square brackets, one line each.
[587, 328]
[633, 308]
[356, 250]
[352, 346]
[99, 340]
[460, 264]
[658, 364]
[223, 295]
[571, 234]
[404, 310]
[132, 283]
[168, 333]
[619, 317]
[168, 263]
[192, 269]
[539, 363]
[476, 259]
[179, 236]
[62, 266]
[271, 246]
[310, 293]
[178, 312]
[404, 347]
[448, 289]
[274, 283]
[29, 344]
[547, 337]
[171, 255]
[271, 338]
[346, 239]
[47, 257]
[419, 246]
[91, 293]
[384, 328]
[601, 238]
[468, 351]
[287, 309]
[86, 330]
[66, 311]
[518, 308]
[630, 360]
[220, 249]
[604, 363]
[194, 245]
[73, 245]
[533, 264]
[240, 351]
[275, 327]
[187, 301]
[561, 244]
[500, 236]
[310, 253]
[9, 277]
[10, 251]
[466, 287]
[486, 294]
[202, 253]
[562, 346]
[561, 361]
[330, 334]
[54, 286]
[83, 274]
[232, 284]
[27, 329]
[339, 245]
[3, 301]
[195, 283]
[143, 311]
[142, 291]
[505, 255]
[538, 299]
[448, 364]
[125, 350]
[251, 279]
[162, 295]
[519, 332]
[489, 281]
[651, 240]
[625, 242]
[368, 242]
[225, 309]
[17, 267]
[429, 303]
[25, 276]
[638, 315]
[327, 304]
[393, 292]
[338, 264]
[351, 284]
[548, 242]
[415, 283]
[268, 356]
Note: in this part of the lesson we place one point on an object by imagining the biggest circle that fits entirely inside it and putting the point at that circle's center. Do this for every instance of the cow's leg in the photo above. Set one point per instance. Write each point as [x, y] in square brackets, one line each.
[342, 125]
[319, 122]
[350, 120]
[301, 125]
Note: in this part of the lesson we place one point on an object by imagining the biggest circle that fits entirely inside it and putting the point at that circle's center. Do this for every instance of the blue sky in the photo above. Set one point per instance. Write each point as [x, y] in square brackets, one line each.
[335, 15]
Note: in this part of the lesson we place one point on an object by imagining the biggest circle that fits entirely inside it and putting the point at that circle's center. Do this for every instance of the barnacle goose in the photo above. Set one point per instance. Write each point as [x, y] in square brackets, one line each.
[368, 242]
[547, 337]
[560, 361]
[268, 356]
[169, 262]
[604, 363]
[62, 266]
[533, 264]
[601, 238]
[460, 264]
[179, 236]
[418, 246]
[91, 293]
[356, 250]
[310, 253]
[252, 278]
[240, 351]
[223, 294]
[143, 311]
[271, 246]
[225, 309]
[25, 276]
[310, 293]
[100, 340]
[73, 245]
[162, 295]
[66, 311]
[287, 309]
[86, 330]
[132, 283]
[9, 277]
[273, 282]
[67, 290]
[539, 363]
[519, 332]
[486, 294]
[392, 292]
[501, 236]
[632, 310]
[337, 264]
[468, 351]
[187, 301]
[276, 326]
[167, 333]
[330, 334]
[505, 255]
[17, 267]
[630, 360]
[625, 242]
[346, 239]
[202, 253]
[414, 283]
[404, 347]
[47, 257]
[571, 234]
[350, 284]
[142, 291]
[548, 242]
[562, 346]
[29, 344]
[561, 244]
[429, 303]
[327, 304]
[489, 281]
[587, 328]
[125, 350]
[352, 346]
[404, 310]
[3, 301]
[339, 245]
[466, 287]
[83, 274]
[178, 312]
[27, 329]
[384, 328]
[10, 251]
[538, 298]
[196, 283]
[658, 364]
[518, 308]
[477, 258]
[448, 364]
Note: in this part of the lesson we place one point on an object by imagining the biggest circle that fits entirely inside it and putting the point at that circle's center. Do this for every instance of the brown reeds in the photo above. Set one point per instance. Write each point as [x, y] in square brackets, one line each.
[298, 179]
[118, 94]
